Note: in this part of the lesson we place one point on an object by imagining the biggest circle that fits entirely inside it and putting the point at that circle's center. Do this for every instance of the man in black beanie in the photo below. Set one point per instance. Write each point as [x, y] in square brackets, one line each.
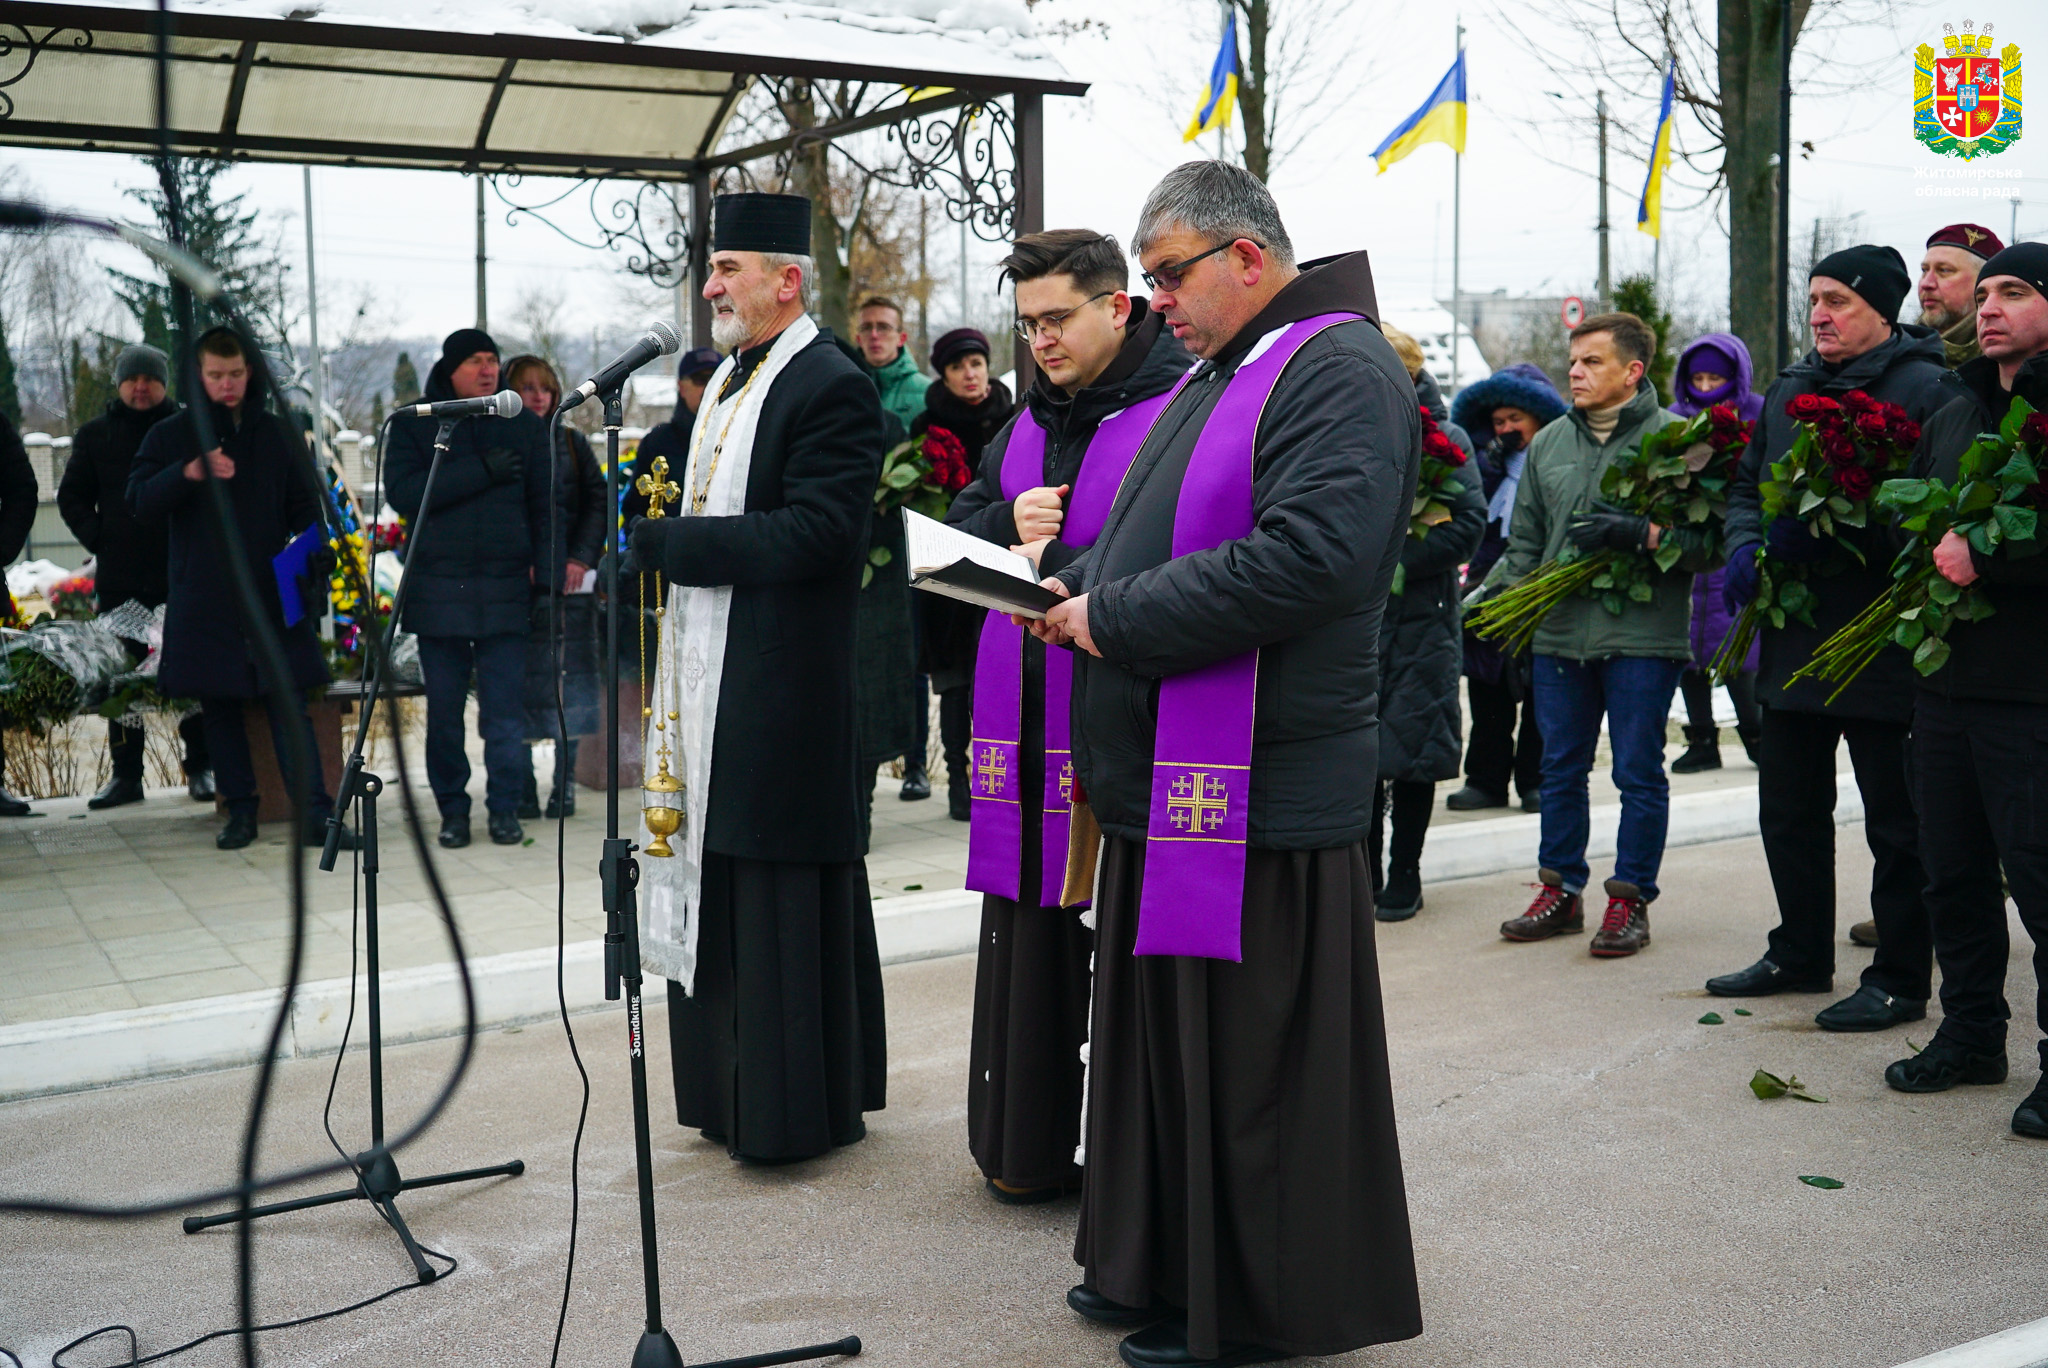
[1853, 299]
[481, 557]
[1980, 722]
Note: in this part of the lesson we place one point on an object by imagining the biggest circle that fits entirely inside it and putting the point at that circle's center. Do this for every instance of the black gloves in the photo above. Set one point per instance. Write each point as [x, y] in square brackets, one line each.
[1793, 541]
[645, 541]
[503, 465]
[1604, 526]
[1743, 578]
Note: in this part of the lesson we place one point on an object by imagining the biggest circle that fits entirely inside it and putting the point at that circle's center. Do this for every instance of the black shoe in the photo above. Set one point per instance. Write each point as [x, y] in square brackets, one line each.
[199, 786]
[504, 829]
[1532, 802]
[316, 834]
[118, 791]
[561, 806]
[917, 784]
[11, 806]
[1702, 751]
[240, 830]
[1471, 798]
[454, 832]
[1402, 897]
[1870, 1009]
[1165, 1345]
[1015, 1196]
[957, 802]
[2031, 1116]
[1941, 1066]
[1100, 1309]
[1766, 977]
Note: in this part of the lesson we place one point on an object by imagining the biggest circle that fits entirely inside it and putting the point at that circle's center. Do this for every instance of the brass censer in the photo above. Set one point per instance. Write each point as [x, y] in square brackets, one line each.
[661, 793]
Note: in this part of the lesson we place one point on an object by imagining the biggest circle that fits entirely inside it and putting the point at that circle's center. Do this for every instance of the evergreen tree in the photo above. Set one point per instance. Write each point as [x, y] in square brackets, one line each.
[405, 381]
[92, 381]
[1637, 294]
[10, 393]
[218, 229]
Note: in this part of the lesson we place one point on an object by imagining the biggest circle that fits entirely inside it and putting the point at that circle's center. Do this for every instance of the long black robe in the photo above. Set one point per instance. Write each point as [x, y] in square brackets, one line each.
[782, 1046]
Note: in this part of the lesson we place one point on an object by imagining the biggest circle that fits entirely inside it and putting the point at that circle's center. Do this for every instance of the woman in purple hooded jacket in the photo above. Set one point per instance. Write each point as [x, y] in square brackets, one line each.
[1714, 369]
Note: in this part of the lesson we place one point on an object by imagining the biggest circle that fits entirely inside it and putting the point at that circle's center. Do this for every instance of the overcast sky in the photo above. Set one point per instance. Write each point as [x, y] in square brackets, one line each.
[1528, 222]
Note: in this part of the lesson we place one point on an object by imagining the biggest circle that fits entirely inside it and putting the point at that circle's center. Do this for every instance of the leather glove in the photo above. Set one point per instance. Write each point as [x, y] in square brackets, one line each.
[503, 465]
[1793, 542]
[1739, 584]
[1603, 526]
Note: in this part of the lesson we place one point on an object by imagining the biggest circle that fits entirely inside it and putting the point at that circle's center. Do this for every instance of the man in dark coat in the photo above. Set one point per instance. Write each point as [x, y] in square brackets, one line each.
[761, 918]
[132, 559]
[1854, 296]
[18, 492]
[1242, 1182]
[473, 570]
[269, 483]
[1980, 722]
[1099, 351]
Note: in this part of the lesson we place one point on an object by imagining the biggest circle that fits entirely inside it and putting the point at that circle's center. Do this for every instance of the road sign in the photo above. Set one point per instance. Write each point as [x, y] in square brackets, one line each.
[1574, 311]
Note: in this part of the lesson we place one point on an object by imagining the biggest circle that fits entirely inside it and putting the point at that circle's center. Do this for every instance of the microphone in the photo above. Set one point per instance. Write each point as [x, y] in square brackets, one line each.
[503, 404]
[659, 340]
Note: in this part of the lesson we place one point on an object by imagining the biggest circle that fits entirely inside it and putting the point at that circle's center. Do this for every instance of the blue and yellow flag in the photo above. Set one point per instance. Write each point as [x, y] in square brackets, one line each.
[1219, 97]
[1650, 213]
[1441, 119]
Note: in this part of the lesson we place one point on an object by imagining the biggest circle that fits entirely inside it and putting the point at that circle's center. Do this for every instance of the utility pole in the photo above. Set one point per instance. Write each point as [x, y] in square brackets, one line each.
[313, 328]
[964, 321]
[924, 279]
[1784, 184]
[1600, 110]
[2013, 234]
[483, 308]
[1457, 222]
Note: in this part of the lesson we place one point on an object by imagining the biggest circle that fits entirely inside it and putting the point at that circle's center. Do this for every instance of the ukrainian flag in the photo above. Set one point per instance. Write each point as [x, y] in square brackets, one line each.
[1441, 119]
[1219, 97]
[1650, 213]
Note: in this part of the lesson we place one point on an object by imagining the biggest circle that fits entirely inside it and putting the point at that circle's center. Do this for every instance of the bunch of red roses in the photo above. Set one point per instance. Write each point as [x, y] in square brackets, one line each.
[1436, 486]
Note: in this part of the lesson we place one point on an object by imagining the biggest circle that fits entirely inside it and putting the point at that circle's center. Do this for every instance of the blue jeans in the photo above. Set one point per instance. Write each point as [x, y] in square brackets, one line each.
[1634, 693]
[499, 664]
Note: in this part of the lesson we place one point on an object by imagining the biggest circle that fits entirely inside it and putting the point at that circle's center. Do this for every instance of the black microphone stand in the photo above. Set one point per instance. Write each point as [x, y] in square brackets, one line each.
[377, 1177]
[619, 873]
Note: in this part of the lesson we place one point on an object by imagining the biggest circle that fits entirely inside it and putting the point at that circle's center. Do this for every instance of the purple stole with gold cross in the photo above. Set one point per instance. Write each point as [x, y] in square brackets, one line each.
[1192, 902]
[995, 853]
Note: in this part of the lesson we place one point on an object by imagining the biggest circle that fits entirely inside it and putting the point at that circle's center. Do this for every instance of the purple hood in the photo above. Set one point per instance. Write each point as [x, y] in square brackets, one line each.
[1686, 403]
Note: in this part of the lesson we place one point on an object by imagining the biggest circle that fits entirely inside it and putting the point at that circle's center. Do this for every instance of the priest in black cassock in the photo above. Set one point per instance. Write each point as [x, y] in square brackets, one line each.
[760, 918]
[1242, 1199]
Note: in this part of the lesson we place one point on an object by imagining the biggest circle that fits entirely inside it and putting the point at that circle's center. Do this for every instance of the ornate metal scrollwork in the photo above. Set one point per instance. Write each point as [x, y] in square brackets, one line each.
[647, 220]
[25, 49]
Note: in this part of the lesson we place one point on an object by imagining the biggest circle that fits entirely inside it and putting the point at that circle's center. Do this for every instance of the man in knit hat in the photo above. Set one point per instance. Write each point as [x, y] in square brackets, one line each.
[1853, 299]
[132, 557]
[1948, 285]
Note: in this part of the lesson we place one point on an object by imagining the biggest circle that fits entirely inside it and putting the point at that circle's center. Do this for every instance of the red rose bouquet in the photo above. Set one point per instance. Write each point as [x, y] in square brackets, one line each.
[1436, 487]
[71, 598]
[923, 474]
[1823, 483]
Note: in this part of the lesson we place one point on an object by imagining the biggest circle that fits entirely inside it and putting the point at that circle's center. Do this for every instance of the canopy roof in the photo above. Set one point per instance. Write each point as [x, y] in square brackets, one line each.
[641, 87]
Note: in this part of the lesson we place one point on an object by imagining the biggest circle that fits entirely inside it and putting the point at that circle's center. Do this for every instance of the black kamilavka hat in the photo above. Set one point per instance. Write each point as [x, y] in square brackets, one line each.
[754, 222]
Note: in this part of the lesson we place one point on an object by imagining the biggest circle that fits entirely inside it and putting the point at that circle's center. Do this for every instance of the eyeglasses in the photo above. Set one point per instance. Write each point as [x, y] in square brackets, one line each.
[879, 328]
[1054, 324]
[1170, 276]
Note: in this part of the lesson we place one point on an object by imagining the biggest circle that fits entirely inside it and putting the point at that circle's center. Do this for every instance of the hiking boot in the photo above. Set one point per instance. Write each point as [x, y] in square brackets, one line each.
[1553, 912]
[1942, 1065]
[1402, 897]
[1471, 798]
[1626, 927]
[1702, 751]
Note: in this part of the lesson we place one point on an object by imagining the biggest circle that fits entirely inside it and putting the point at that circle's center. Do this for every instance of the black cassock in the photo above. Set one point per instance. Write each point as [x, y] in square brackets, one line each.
[780, 1047]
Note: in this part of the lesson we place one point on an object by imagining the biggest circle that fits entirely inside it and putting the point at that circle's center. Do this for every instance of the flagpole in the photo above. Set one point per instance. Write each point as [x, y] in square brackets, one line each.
[1457, 212]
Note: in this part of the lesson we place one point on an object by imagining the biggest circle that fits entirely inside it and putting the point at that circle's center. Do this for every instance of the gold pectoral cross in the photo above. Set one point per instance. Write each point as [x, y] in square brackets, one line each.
[658, 487]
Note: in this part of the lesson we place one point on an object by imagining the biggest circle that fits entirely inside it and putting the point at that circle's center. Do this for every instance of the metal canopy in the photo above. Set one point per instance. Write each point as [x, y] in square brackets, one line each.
[258, 88]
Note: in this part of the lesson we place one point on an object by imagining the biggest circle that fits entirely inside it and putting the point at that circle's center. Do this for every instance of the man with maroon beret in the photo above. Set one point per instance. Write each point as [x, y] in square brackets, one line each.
[1948, 285]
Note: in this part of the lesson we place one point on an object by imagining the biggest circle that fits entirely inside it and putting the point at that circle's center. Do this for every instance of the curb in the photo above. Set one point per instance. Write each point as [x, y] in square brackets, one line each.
[2023, 1346]
[75, 1053]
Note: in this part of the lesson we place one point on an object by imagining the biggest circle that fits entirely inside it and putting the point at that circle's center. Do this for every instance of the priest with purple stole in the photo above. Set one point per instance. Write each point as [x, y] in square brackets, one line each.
[1106, 364]
[1242, 1198]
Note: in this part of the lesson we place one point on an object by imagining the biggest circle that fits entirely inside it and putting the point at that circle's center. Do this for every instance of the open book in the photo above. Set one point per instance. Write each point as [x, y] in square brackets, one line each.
[945, 560]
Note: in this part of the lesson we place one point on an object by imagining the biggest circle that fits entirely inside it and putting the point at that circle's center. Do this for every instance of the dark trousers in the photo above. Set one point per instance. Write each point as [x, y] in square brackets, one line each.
[956, 727]
[1980, 773]
[1796, 814]
[234, 772]
[1494, 756]
[923, 690]
[125, 745]
[499, 666]
[1410, 802]
[1697, 688]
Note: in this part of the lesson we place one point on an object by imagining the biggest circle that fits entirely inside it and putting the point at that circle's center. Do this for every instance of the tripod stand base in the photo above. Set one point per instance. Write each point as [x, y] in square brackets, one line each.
[849, 1347]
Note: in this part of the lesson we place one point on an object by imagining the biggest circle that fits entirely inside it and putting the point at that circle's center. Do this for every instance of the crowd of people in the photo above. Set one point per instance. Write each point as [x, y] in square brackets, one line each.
[1195, 782]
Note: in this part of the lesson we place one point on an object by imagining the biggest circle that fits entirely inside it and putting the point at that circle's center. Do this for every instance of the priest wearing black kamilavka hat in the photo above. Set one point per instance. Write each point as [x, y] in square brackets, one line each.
[760, 918]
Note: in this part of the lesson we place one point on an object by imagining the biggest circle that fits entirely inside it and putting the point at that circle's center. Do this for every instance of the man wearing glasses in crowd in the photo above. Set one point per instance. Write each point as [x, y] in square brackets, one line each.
[879, 329]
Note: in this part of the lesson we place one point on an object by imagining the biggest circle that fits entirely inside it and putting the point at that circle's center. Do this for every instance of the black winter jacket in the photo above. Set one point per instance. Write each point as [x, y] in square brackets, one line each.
[1422, 643]
[482, 554]
[1911, 371]
[133, 557]
[273, 496]
[18, 493]
[2002, 658]
[949, 631]
[784, 769]
[1333, 473]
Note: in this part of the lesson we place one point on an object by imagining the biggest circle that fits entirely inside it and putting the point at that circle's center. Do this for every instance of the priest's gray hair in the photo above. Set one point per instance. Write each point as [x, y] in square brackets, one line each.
[775, 261]
[1217, 202]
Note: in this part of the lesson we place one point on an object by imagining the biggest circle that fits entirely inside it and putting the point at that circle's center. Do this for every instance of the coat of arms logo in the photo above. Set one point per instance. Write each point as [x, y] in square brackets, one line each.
[1966, 101]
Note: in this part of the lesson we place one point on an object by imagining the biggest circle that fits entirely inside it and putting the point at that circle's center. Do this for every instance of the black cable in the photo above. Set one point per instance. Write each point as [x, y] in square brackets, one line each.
[355, 923]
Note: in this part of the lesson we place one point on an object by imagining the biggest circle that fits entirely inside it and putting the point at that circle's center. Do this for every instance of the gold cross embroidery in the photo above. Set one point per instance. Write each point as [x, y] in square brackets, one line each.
[1067, 782]
[993, 769]
[658, 487]
[1197, 802]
